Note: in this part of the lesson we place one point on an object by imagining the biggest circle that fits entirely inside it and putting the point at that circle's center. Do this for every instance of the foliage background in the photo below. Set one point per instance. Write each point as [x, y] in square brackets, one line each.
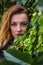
[36, 7]
[5, 4]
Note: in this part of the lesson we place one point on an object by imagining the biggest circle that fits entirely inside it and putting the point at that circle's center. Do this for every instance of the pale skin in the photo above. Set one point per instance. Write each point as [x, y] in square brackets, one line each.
[19, 24]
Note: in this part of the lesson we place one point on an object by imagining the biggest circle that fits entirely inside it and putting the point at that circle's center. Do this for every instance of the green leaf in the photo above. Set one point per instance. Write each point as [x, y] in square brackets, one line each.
[18, 2]
[6, 62]
[12, 0]
[26, 57]
[40, 21]
[11, 58]
[24, 1]
[41, 29]
[40, 59]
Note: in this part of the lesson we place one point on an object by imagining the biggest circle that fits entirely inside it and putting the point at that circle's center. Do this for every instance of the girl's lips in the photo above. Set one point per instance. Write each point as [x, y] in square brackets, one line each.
[19, 34]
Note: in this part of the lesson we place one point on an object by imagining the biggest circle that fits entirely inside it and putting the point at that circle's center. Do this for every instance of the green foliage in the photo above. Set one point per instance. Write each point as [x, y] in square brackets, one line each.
[5, 4]
[29, 47]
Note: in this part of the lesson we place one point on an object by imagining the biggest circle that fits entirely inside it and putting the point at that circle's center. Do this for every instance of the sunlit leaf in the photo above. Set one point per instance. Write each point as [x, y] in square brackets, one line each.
[40, 21]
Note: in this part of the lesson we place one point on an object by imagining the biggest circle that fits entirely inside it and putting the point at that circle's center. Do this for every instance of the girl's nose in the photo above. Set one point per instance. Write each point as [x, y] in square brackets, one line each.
[18, 28]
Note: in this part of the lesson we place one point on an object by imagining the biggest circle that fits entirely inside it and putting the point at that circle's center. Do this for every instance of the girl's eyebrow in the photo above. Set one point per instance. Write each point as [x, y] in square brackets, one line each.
[20, 22]
[24, 22]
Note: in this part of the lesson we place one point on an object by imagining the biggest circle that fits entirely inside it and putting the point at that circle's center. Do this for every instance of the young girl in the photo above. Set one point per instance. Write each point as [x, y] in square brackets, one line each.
[14, 24]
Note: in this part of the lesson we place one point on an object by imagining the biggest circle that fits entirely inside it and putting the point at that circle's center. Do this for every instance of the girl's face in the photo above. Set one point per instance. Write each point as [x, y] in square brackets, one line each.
[19, 24]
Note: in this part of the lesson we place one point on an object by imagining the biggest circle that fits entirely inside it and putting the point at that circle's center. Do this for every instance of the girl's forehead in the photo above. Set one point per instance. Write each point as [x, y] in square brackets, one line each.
[19, 17]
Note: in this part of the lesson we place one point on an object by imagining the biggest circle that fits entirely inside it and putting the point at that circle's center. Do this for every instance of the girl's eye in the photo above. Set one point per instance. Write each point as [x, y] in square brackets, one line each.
[13, 24]
[21, 24]
[24, 24]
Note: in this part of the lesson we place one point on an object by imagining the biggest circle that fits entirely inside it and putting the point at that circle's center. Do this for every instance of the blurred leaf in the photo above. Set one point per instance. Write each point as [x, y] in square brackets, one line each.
[6, 62]
[40, 59]
[18, 2]
[24, 2]
[11, 58]
[40, 21]
[26, 57]
[12, 0]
